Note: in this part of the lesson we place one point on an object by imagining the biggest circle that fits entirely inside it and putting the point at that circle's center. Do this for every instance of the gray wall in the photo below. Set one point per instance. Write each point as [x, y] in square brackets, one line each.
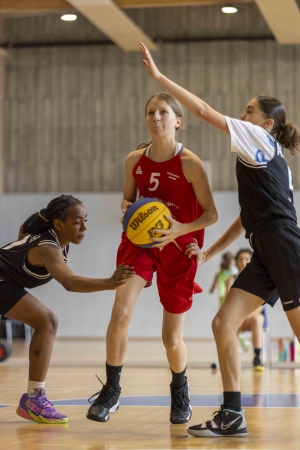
[87, 315]
[71, 114]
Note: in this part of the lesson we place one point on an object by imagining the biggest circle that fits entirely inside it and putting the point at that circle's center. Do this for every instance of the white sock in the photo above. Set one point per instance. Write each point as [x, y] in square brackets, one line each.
[32, 385]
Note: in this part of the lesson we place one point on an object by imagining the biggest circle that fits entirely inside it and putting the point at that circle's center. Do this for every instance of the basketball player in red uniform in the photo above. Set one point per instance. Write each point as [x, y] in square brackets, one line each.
[165, 170]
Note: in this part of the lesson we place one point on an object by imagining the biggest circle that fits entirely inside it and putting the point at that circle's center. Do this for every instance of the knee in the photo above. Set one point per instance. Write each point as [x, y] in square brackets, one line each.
[48, 322]
[121, 317]
[172, 342]
[257, 321]
[52, 322]
[219, 327]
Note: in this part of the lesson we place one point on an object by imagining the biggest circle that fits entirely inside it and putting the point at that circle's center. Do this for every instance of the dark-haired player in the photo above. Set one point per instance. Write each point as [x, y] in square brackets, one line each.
[268, 217]
[39, 255]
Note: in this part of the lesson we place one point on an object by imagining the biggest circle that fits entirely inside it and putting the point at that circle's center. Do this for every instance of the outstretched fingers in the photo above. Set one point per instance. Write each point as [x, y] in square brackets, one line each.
[149, 63]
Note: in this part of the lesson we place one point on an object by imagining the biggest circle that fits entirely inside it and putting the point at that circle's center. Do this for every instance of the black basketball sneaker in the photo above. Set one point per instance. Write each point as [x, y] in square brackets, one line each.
[106, 403]
[226, 423]
[181, 408]
[257, 364]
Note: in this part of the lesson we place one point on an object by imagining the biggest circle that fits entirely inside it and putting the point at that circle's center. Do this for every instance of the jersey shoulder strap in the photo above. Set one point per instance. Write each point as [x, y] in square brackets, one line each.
[47, 237]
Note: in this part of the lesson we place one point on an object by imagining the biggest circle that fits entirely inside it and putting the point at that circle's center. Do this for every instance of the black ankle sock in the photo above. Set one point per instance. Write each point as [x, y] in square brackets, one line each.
[113, 375]
[232, 400]
[257, 352]
[178, 379]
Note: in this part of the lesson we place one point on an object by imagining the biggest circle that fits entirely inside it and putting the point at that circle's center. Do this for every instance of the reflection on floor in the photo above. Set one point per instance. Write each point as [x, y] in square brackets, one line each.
[271, 400]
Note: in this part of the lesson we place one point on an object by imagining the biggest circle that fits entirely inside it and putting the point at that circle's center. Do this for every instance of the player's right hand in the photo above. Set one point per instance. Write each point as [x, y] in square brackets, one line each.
[120, 275]
[124, 206]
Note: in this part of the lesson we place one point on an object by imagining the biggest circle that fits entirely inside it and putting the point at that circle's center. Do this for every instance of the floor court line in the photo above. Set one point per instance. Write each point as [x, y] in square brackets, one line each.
[248, 400]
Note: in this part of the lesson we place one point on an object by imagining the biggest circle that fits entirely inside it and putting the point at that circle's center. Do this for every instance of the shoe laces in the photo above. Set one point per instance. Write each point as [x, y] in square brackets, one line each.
[105, 395]
[43, 402]
[218, 414]
[180, 399]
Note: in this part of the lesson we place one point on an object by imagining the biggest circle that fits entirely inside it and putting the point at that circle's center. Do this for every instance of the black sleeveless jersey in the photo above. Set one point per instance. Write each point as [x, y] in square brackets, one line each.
[265, 191]
[14, 264]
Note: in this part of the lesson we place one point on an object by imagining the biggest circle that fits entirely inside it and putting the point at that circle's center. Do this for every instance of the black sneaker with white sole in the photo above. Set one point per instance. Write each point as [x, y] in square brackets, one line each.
[181, 408]
[106, 403]
[226, 423]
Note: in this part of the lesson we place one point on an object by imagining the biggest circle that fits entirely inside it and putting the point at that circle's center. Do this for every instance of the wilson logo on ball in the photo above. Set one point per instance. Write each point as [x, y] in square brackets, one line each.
[142, 218]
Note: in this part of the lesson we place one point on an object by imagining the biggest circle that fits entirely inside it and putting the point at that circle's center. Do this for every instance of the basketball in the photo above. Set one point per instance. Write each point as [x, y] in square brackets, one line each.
[142, 217]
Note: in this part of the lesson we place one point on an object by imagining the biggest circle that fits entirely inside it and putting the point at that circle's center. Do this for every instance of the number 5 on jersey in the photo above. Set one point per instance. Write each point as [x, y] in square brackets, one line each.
[154, 179]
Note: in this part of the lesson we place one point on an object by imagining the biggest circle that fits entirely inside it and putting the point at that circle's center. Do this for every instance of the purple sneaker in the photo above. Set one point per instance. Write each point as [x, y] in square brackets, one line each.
[39, 409]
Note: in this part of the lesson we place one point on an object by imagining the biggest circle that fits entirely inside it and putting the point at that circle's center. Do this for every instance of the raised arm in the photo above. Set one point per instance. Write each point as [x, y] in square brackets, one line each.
[197, 106]
[53, 260]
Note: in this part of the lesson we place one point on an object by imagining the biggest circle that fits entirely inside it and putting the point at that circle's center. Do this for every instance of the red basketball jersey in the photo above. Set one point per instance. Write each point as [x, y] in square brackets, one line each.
[166, 181]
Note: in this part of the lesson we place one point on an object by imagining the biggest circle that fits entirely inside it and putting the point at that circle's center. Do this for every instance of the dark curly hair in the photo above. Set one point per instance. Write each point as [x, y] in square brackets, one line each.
[56, 209]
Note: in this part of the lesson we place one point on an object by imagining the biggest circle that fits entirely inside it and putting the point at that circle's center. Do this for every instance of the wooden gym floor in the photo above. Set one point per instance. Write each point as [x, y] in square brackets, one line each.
[142, 422]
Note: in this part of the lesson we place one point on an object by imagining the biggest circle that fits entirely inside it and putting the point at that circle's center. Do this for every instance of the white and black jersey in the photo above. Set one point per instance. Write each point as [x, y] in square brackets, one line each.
[265, 184]
[15, 267]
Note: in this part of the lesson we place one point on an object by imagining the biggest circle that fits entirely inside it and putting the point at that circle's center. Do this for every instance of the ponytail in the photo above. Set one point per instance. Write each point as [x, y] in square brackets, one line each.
[285, 132]
[43, 219]
[289, 137]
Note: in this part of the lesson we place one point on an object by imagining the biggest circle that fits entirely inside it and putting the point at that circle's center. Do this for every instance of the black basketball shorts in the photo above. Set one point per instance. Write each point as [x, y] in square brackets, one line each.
[274, 269]
[10, 294]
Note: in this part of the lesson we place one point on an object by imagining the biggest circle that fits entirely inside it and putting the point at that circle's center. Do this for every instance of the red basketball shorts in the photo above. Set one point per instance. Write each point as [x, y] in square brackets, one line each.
[175, 271]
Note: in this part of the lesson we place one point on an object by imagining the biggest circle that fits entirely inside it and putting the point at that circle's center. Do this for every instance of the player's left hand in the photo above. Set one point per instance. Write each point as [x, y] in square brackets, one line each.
[169, 235]
[194, 249]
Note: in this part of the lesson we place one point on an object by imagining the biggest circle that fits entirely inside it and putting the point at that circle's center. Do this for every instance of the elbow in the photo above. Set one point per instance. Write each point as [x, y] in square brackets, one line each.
[68, 285]
[200, 112]
[214, 217]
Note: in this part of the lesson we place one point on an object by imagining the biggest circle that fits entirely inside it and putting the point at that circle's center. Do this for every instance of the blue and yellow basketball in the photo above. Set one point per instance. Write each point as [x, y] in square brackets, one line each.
[142, 217]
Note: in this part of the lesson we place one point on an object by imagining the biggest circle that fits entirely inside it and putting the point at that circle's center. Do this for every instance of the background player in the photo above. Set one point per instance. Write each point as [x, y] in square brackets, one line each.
[256, 321]
[39, 255]
[223, 279]
[163, 169]
[268, 216]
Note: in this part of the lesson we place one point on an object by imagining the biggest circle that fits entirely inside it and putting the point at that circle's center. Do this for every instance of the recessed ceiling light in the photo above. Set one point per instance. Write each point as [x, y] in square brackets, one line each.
[69, 17]
[229, 9]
